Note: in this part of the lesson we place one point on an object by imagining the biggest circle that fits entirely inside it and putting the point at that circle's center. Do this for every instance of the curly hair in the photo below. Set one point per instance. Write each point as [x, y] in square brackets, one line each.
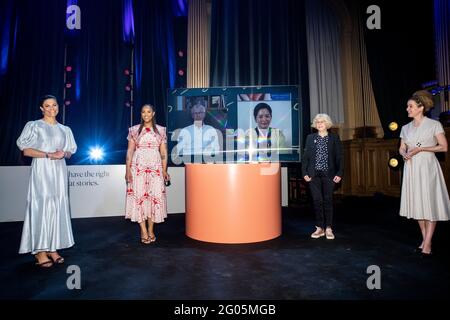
[324, 117]
[424, 99]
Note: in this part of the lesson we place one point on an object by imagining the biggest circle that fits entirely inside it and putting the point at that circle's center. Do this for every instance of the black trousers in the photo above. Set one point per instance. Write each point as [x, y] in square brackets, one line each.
[322, 188]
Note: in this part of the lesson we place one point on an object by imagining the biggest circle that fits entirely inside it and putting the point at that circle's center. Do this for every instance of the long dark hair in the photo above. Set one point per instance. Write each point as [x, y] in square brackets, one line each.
[153, 119]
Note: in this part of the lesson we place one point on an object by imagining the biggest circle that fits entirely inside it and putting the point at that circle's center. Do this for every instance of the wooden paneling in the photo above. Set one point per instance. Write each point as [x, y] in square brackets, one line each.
[367, 170]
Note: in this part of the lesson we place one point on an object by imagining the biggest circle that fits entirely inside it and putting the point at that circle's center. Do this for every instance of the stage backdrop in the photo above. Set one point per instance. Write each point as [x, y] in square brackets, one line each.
[95, 191]
[34, 51]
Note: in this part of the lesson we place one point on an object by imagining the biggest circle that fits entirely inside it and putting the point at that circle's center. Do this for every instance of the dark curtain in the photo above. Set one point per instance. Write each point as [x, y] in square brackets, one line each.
[98, 55]
[34, 67]
[154, 55]
[400, 55]
[260, 42]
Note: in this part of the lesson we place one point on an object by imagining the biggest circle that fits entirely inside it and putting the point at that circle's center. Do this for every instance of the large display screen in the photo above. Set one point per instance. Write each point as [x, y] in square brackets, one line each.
[234, 124]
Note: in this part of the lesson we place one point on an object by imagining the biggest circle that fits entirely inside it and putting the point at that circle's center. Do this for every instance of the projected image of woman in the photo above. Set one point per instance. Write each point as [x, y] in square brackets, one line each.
[322, 168]
[146, 173]
[47, 226]
[263, 140]
[424, 193]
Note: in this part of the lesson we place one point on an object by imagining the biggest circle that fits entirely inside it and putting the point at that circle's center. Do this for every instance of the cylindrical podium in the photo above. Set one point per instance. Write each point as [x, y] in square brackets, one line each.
[233, 203]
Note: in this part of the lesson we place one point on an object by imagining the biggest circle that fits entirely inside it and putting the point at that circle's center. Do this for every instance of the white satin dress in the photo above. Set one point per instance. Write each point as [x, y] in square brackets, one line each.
[47, 225]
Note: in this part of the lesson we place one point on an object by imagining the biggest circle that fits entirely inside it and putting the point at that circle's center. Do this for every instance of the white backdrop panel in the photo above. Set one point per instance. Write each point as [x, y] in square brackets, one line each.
[95, 191]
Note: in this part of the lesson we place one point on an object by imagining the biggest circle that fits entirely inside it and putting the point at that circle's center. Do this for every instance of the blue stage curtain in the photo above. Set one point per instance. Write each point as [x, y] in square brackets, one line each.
[154, 55]
[35, 68]
[98, 54]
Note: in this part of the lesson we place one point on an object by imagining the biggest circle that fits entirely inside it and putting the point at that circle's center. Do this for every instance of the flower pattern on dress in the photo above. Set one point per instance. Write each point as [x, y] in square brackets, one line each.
[146, 194]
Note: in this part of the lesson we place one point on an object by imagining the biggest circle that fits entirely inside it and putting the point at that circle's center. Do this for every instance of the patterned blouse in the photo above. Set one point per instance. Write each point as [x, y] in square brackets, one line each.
[321, 153]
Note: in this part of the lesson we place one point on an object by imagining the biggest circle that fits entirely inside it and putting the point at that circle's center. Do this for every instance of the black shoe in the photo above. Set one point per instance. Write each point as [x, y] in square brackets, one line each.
[418, 250]
[427, 255]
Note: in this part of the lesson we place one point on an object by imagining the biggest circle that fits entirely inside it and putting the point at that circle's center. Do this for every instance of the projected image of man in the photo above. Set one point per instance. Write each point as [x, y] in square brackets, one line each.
[198, 138]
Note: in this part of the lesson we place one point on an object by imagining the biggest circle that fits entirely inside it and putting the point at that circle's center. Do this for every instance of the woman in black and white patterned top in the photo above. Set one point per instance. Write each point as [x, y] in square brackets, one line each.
[322, 153]
[322, 167]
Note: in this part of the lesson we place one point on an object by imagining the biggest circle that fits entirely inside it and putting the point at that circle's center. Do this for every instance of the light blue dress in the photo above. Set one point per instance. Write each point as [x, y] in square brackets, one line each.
[47, 225]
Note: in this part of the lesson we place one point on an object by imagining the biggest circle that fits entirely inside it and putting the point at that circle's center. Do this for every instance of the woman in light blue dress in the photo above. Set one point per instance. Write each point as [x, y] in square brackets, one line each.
[47, 226]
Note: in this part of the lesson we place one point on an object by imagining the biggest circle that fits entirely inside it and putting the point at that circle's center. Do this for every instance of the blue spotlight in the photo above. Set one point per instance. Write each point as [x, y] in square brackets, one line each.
[96, 154]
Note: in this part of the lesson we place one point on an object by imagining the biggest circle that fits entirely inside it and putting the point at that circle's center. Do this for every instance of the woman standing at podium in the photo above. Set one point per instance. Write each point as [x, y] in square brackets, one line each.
[424, 193]
[146, 173]
[47, 226]
[322, 168]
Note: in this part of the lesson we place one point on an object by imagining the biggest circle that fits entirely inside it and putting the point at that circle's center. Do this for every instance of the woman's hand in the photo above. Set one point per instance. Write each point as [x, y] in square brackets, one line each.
[404, 156]
[166, 176]
[337, 179]
[307, 178]
[412, 153]
[57, 155]
[128, 177]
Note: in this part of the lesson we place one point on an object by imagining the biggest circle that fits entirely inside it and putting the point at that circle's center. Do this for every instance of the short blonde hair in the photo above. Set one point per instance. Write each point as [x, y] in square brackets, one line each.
[324, 117]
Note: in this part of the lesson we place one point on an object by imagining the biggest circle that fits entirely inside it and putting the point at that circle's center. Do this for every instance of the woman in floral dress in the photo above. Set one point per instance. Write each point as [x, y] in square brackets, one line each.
[146, 173]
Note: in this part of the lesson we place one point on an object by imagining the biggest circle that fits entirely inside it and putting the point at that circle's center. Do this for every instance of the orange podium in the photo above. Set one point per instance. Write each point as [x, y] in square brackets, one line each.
[233, 203]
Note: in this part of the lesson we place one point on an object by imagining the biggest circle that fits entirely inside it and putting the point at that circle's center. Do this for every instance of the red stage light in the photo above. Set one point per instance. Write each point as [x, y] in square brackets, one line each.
[67, 102]
[128, 87]
[126, 72]
[181, 72]
[68, 85]
[68, 68]
[180, 53]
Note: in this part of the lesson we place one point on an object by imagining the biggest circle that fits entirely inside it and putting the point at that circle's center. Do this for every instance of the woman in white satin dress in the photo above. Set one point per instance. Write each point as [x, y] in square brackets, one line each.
[424, 193]
[47, 226]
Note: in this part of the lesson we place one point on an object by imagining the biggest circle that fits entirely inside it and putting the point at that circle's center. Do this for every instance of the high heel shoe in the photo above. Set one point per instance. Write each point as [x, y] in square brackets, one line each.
[146, 240]
[152, 239]
[427, 255]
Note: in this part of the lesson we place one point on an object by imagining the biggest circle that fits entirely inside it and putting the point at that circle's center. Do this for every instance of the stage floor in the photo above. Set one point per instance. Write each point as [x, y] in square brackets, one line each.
[114, 265]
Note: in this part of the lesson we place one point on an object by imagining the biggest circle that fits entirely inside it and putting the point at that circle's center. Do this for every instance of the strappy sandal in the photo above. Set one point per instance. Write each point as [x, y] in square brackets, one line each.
[152, 239]
[146, 241]
[45, 264]
[59, 260]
